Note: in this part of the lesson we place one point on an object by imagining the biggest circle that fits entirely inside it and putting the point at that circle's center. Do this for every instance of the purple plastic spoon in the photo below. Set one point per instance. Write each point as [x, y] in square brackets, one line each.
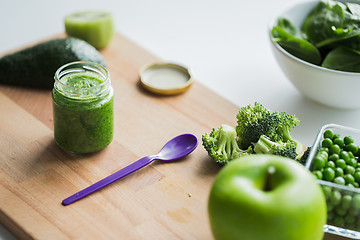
[176, 148]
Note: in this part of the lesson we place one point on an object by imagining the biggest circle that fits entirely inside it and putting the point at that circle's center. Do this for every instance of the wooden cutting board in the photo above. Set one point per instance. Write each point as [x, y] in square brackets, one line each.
[161, 201]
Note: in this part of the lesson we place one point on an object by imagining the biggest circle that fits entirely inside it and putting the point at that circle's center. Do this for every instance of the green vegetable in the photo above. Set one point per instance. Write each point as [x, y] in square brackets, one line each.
[339, 158]
[329, 174]
[329, 36]
[287, 123]
[222, 146]
[266, 146]
[296, 46]
[36, 66]
[343, 59]
[328, 134]
[254, 122]
[341, 167]
[331, 22]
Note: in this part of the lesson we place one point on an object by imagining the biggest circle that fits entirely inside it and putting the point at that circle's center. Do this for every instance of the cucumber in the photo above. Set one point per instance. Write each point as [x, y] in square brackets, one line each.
[95, 26]
[35, 66]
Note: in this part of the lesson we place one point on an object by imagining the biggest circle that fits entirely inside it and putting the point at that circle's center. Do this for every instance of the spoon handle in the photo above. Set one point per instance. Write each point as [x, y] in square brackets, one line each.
[109, 179]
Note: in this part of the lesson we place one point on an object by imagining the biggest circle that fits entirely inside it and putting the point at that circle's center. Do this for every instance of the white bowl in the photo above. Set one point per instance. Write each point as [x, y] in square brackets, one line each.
[333, 88]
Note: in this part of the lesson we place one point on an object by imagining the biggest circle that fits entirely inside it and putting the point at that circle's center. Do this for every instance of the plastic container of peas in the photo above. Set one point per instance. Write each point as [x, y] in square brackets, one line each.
[337, 169]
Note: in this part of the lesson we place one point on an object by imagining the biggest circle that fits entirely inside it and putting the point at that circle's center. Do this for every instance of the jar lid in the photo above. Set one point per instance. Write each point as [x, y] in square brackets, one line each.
[165, 78]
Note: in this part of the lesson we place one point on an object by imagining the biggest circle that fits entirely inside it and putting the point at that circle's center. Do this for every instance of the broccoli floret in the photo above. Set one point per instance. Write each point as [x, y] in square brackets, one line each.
[254, 121]
[222, 144]
[266, 146]
[284, 128]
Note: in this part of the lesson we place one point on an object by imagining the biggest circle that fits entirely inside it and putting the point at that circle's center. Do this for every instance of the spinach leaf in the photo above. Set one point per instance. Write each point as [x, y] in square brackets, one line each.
[339, 35]
[323, 22]
[332, 22]
[353, 43]
[330, 36]
[284, 33]
[288, 27]
[343, 59]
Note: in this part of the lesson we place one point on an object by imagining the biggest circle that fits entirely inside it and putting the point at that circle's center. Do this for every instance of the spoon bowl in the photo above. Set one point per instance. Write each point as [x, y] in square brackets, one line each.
[174, 149]
[178, 147]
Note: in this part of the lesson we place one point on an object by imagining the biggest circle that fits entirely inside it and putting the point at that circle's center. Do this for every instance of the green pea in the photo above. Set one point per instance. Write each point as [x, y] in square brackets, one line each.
[340, 180]
[319, 162]
[358, 152]
[356, 184]
[357, 177]
[324, 154]
[330, 214]
[329, 205]
[339, 172]
[340, 163]
[340, 210]
[334, 149]
[328, 174]
[339, 221]
[336, 135]
[317, 174]
[345, 155]
[327, 142]
[349, 219]
[355, 201]
[328, 134]
[333, 157]
[353, 162]
[349, 170]
[339, 142]
[327, 191]
[353, 211]
[335, 198]
[346, 201]
[324, 149]
[330, 164]
[348, 140]
[352, 148]
[349, 178]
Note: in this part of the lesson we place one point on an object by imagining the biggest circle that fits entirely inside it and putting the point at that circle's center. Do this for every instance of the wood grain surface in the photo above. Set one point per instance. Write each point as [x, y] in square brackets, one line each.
[161, 201]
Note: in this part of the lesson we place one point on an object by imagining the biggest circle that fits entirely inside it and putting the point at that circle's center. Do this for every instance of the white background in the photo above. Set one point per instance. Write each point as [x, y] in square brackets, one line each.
[225, 43]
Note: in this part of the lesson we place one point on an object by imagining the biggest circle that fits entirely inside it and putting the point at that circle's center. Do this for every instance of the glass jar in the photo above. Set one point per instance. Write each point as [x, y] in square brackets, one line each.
[83, 107]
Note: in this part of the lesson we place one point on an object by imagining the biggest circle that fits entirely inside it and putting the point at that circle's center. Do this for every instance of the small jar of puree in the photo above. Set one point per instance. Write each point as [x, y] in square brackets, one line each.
[83, 107]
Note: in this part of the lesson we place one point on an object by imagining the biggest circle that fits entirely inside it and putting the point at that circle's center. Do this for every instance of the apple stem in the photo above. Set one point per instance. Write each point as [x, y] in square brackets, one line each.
[270, 172]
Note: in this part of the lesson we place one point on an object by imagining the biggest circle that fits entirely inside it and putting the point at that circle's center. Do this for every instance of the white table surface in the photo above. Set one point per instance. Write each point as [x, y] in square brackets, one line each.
[225, 43]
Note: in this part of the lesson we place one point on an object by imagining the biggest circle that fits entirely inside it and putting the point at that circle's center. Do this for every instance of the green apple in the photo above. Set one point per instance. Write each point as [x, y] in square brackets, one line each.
[266, 197]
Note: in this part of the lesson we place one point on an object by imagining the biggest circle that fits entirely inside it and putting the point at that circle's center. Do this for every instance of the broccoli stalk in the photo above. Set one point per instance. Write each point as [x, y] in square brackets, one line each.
[222, 145]
[266, 146]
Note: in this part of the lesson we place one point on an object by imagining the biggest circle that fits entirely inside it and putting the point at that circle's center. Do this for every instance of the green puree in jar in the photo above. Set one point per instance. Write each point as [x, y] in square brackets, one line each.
[83, 117]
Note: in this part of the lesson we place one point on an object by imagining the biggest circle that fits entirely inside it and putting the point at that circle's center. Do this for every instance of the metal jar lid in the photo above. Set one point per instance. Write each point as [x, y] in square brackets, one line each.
[165, 78]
